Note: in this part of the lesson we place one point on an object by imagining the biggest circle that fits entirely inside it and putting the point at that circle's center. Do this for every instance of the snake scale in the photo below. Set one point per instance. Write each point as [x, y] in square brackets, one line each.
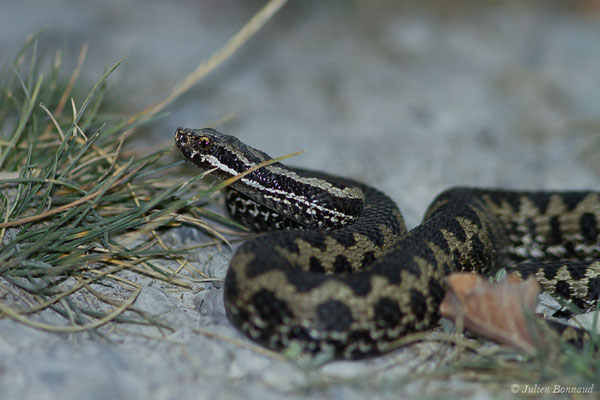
[338, 273]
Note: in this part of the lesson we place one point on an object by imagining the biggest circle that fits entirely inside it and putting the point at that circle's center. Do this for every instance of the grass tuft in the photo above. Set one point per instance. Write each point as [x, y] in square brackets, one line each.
[79, 218]
[74, 212]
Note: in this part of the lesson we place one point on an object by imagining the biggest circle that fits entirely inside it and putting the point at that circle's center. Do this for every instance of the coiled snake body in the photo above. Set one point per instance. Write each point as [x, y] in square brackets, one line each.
[339, 275]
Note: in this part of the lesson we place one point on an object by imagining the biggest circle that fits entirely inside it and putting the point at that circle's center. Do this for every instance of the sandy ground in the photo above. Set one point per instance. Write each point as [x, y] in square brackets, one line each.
[411, 100]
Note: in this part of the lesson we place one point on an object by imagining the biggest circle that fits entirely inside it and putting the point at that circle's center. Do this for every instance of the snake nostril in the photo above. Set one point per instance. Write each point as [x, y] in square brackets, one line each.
[180, 135]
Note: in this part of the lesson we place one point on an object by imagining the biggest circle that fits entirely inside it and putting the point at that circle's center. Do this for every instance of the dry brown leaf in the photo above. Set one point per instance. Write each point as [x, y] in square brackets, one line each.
[496, 311]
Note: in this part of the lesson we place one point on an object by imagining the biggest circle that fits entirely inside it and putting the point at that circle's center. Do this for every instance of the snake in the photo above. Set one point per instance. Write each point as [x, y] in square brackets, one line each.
[334, 271]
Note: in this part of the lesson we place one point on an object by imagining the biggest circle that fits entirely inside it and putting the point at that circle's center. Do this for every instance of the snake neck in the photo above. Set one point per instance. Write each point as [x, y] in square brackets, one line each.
[307, 200]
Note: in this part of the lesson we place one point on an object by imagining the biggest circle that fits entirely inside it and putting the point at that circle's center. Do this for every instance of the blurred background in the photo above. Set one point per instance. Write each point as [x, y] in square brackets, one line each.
[412, 98]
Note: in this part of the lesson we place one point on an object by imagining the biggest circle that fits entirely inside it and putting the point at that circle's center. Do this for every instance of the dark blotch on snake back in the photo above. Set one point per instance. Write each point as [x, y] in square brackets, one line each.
[555, 232]
[346, 239]
[315, 265]
[589, 227]
[594, 287]
[334, 316]
[304, 282]
[572, 199]
[514, 201]
[260, 262]
[478, 251]
[541, 201]
[418, 304]
[368, 258]
[404, 262]
[436, 290]
[289, 245]
[359, 283]
[456, 229]
[315, 241]
[549, 270]
[341, 264]
[271, 309]
[530, 224]
[437, 238]
[577, 270]
[563, 289]
[375, 236]
[387, 313]
[470, 214]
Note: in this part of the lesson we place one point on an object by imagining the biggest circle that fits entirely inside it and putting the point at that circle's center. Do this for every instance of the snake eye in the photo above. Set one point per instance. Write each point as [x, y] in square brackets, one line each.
[204, 143]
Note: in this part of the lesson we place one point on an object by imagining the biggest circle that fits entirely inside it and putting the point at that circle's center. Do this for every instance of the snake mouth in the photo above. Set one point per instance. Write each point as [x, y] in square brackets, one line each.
[185, 141]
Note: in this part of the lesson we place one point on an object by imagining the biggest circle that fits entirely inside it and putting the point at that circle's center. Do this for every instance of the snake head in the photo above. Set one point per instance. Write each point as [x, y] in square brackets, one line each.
[194, 144]
[210, 150]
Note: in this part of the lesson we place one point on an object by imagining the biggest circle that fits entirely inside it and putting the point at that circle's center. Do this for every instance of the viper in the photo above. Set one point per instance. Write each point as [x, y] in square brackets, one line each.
[337, 274]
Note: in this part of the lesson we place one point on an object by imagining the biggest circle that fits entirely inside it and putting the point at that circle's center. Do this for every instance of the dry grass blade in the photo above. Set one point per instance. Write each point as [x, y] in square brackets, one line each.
[17, 316]
[70, 85]
[237, 41]
[258, 166]
[68, 206]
